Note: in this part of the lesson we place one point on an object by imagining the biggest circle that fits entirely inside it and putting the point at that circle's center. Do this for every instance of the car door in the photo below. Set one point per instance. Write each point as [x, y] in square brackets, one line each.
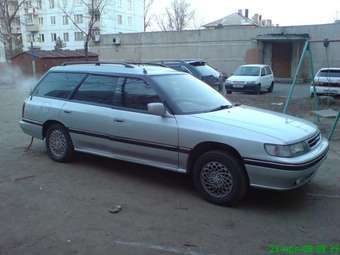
[144, 137]
[89, 114]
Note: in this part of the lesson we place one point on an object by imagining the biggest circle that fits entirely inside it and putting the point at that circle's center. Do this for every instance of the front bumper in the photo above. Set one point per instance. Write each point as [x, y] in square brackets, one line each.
[285, 176]
[244, 88]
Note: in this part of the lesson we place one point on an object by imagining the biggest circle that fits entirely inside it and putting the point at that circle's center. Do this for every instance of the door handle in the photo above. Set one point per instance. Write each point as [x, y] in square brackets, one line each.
[67, 111]
[118, 120]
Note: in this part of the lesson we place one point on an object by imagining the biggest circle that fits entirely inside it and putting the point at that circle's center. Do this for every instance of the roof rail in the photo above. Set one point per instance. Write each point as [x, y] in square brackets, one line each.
[177, 60]
[97, 63]
[147, 63]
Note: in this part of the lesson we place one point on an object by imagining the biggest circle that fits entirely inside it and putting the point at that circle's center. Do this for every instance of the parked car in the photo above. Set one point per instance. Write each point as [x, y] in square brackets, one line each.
[251, 78]
[171, 120]
[327, 82]
[198, 68]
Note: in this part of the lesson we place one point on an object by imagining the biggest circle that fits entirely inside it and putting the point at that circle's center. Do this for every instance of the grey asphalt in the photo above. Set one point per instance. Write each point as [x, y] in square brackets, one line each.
[53, 208]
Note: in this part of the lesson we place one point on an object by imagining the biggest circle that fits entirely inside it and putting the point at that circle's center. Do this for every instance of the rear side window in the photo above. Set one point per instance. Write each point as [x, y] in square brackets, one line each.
[58, 85]
[268, 70]
[98, 89]
[136, 94]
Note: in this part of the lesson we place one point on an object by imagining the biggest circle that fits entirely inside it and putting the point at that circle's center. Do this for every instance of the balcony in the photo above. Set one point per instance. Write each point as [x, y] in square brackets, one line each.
[32, 28]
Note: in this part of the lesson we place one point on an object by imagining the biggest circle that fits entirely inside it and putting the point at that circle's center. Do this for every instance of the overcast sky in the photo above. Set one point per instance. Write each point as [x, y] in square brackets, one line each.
[283, 12]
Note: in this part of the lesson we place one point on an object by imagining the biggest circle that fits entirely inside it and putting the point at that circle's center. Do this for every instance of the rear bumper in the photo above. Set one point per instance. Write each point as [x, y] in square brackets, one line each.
[278, 176]
[325, 90]
[32, 128]
[245, 88]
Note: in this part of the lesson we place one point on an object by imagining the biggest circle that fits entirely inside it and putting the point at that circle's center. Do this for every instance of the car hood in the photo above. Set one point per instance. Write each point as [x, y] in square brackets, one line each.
[243, 78]
[282, 127]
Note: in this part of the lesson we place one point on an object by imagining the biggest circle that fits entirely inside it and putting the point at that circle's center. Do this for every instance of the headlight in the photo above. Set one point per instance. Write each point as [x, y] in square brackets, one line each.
[286, 151]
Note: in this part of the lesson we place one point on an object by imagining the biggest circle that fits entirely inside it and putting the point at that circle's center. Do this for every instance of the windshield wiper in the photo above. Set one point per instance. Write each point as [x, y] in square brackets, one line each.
[222, 107]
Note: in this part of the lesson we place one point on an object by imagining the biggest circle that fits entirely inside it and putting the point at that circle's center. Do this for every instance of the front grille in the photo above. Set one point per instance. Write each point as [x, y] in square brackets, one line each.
[314, 140]
[239, 82]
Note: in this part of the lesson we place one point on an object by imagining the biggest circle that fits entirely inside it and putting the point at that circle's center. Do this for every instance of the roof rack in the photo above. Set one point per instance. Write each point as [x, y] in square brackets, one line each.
[147, 63]
[178, 60]
[97, 63]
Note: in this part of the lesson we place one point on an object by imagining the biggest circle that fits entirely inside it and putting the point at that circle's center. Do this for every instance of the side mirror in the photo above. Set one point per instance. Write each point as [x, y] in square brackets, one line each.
[157, 109]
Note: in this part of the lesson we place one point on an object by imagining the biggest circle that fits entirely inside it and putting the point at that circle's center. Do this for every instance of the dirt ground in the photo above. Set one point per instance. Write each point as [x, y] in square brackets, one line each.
[52, 208]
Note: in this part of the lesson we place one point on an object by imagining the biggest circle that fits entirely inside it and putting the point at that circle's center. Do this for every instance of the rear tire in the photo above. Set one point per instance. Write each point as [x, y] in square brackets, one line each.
[59, 143]
[220, 178]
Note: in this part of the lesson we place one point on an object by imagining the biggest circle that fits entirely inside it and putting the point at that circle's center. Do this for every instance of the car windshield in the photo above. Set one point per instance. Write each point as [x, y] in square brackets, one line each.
[205, 70]
[247, 71]
[189, 95]
[329, 73]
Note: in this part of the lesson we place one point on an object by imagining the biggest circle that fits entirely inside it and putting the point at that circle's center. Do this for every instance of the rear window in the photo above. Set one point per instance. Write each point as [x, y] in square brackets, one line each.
[58, 85]
[248, 71]
[329, 73]
[205, 70]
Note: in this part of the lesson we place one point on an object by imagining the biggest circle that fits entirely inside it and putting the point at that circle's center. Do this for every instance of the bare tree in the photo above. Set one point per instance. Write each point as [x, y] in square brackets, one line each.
[95, 10]
[177, 16]
[148, 17]
[9, 10]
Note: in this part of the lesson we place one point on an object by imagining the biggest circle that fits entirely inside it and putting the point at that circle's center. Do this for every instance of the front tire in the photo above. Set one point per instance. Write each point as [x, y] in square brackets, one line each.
[258, 89]
[220, 178]
[271, 88]
[59, 144]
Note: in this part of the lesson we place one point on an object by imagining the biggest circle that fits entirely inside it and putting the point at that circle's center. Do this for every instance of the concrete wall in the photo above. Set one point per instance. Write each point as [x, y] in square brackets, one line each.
[2, 53]
[225, 48]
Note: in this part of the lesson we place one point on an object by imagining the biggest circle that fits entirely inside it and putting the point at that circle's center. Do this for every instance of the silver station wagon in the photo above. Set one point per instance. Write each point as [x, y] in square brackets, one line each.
[160, 117]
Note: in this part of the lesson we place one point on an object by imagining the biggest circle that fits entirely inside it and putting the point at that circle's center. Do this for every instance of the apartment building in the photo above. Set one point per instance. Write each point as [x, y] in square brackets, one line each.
[44, 22]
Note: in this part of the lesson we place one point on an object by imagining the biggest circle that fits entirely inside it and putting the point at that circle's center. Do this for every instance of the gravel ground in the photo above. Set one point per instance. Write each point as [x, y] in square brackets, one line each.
[52, 208]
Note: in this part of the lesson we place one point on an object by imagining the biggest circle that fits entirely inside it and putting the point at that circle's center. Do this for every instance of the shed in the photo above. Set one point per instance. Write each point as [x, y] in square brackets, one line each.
[45, 59]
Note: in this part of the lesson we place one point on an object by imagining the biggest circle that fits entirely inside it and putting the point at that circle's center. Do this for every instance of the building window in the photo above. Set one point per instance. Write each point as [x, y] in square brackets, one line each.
[39, 4]
[41, 38]
[66, 37]
[130, 5]
[52, 20]
[78, 36]
[120, 3]
[120, 19]
[130, 21]
[96, 17]
[41, 21]
[29, 38]
[29, 19]
[53, 37]
[51, 4]
[78, 18]
[65, 20]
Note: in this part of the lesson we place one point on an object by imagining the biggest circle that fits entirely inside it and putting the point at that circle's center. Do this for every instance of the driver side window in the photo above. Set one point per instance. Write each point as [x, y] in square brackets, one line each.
[136, 94]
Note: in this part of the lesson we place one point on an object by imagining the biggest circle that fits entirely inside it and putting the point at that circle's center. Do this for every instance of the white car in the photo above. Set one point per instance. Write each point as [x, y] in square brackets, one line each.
[327, 82]
[251, 78]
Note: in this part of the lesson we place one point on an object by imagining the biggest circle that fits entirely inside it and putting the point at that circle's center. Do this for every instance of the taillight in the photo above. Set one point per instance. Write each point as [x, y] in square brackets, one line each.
[23, 110]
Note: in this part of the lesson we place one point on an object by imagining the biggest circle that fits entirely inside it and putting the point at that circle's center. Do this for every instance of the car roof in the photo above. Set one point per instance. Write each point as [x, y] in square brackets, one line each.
[329, 68]
[107, 68]
[255, 65]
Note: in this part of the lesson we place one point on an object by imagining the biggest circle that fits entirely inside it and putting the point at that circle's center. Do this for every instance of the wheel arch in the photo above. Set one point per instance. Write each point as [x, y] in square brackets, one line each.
[203, 147]
[47, 124]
